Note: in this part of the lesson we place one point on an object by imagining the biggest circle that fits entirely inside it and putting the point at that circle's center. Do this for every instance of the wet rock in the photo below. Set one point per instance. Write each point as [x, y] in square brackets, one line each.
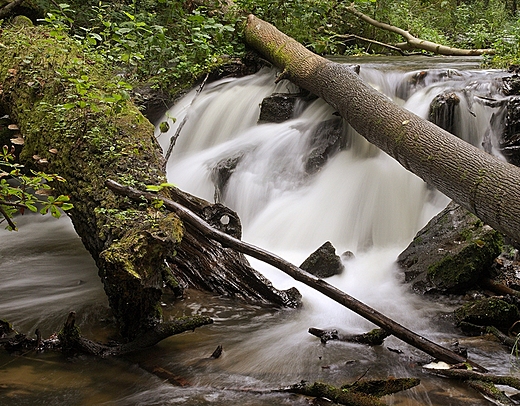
[510, 140]
[221, 173]
[442, 110]
[491, 311]
[511, 85]
[328, 139]
[278, 107]
[451, 253]
[323, 262]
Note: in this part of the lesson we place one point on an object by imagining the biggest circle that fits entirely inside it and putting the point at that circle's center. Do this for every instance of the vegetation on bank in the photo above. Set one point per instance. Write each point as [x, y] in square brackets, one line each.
[172, 43]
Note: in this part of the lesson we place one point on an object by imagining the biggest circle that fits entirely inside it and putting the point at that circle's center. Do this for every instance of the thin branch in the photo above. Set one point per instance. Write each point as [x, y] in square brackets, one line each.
[353, 36]
[4, 11]
[173, 139]
[18, 205]
[7, 218]
[300, 275]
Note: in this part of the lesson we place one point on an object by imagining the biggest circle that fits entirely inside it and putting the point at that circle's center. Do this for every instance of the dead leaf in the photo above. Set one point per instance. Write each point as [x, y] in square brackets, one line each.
[53, 151]
[13, 127]
[44, 192]
[36, 157]
[17, 141]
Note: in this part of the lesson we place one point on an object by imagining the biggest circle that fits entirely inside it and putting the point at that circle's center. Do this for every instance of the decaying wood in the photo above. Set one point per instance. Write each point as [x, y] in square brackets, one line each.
[300, 275]
[478, 181]
[483, 382]
[413, 42]
[70, 341]
[374, 337]
[362, 393]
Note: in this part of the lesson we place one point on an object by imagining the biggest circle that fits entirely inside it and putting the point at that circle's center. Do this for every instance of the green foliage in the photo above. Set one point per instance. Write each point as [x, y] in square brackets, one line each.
[20, 191]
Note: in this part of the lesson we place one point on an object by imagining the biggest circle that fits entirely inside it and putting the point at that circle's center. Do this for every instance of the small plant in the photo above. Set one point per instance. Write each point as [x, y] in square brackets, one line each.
[20, 192]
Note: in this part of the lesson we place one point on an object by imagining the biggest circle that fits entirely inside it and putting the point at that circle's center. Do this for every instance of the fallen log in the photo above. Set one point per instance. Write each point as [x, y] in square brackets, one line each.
[361, 393]
[374, 337]
[482, 382]
[478, 181]
[413, 42]
[298, 274]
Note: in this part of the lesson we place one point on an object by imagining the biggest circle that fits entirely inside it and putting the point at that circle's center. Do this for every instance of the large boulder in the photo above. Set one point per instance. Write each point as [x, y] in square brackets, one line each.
[323, 262]
[451, 253]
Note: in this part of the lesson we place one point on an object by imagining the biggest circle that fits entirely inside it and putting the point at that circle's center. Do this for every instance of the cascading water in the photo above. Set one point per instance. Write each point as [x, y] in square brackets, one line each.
[361, 200]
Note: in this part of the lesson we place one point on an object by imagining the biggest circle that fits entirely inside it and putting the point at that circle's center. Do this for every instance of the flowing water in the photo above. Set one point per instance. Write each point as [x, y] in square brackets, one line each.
[361, 201]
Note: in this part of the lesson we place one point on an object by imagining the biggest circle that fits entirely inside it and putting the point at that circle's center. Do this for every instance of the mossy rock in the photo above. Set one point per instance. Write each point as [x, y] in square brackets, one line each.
[451, 253]
[493, 311]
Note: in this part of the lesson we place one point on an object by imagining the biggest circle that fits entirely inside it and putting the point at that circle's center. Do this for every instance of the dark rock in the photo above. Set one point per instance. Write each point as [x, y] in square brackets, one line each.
[221, 173]
[152, 102]
[323, 262]
[278, 107]
[492, 311]
[328, 139]
[451, 253]
[442, 110]
[510, 140]
[511, 85]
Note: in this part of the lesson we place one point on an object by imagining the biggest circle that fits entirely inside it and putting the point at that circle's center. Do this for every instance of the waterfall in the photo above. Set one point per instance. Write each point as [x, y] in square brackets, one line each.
[361, 200]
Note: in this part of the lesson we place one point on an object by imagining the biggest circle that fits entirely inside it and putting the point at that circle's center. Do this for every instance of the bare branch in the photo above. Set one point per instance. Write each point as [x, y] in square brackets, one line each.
[4, 11]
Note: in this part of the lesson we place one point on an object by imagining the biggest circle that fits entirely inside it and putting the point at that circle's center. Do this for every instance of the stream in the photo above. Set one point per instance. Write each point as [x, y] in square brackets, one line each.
[361, 201]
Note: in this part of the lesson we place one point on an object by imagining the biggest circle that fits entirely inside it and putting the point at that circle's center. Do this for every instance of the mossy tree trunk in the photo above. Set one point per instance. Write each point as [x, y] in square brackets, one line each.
[78, 122]
[483, 184]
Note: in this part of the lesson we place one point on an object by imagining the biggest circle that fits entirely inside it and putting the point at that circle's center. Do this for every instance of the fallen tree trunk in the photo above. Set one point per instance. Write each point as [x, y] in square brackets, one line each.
[483, 184]
[77, 121]
[413, 42]
[300, 275]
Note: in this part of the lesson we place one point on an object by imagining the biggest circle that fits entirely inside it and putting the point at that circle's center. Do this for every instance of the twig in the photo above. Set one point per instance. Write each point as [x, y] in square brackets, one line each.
[7, 218]
[173, 139]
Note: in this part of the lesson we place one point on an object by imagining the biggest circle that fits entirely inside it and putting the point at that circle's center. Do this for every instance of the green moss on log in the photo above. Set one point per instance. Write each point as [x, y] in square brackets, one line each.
[78, 121]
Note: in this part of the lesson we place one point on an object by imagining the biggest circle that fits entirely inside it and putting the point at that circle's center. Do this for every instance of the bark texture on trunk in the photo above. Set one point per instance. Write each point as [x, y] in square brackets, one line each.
[77, 122]
[483, 184]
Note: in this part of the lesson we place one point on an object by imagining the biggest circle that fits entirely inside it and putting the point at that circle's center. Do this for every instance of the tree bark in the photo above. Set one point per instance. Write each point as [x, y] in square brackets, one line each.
[413, 42]
[483, 184]
[77, 121]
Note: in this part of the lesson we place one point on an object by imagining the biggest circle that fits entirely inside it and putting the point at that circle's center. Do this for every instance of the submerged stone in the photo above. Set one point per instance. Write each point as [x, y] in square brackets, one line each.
[451, 253]
[327, 140]
[323, 262]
